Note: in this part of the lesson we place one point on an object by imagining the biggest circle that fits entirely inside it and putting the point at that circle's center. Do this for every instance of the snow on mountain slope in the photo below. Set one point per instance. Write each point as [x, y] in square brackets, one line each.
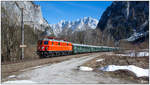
[137, 36]
[121, 20]
[78, 25]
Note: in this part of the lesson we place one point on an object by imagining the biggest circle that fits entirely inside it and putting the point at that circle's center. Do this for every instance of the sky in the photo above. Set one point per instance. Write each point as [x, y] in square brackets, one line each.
[55, 11]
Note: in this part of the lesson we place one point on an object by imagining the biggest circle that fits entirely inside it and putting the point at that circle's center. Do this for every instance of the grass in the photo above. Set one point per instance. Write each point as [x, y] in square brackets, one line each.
[113, 59]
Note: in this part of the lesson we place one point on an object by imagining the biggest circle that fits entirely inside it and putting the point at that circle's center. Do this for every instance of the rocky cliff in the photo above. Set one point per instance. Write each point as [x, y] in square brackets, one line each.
[32, 14]
[34, 25]
[126, 20]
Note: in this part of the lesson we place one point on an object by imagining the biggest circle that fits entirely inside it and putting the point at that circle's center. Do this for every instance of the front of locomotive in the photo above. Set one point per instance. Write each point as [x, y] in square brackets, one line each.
[42, 48]
[50, 47]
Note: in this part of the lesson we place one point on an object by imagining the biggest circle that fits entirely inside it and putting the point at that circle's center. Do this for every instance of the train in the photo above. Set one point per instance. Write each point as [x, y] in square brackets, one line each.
[51, 47]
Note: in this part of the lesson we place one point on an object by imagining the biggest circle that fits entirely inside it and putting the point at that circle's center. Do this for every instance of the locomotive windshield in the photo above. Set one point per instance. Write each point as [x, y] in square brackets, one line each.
[40, 42]
[45, 42]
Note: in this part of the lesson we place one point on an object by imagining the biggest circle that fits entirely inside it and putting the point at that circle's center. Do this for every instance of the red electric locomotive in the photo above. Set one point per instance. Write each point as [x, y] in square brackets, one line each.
[49, 47]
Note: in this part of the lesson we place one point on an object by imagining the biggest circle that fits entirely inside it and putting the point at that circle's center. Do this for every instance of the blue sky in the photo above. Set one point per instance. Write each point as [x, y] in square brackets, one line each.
[54, 11]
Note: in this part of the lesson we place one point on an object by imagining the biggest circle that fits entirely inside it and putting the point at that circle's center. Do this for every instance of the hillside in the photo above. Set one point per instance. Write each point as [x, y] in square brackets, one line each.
[34, 25]
[32, 14]
[125, 20]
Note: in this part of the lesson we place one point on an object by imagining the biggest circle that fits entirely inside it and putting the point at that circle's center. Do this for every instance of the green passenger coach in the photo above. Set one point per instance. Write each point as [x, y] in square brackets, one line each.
[81, 48]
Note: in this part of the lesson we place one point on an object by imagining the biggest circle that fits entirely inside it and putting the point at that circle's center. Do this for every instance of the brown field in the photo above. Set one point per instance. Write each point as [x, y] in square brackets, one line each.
[113, 59]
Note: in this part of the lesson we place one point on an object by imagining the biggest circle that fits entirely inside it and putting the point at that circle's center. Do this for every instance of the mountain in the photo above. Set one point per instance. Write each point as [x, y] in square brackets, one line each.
[78, 25]
[126, 20]
[32, 14]
[34, 25]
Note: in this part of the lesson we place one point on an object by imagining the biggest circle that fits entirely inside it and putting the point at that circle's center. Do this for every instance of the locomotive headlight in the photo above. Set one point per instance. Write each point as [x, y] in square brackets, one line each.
[42, 48]
[46, 48]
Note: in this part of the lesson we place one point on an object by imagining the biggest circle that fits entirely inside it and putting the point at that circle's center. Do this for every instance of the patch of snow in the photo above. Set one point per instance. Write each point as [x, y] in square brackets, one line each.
[32, 68]
[135, 54]
[37, 67]
[121, 54]
[84, 68]
[12, 76]
[139, 54]
[99, 60]
[18, 81]
[139, 72]
[137, 35]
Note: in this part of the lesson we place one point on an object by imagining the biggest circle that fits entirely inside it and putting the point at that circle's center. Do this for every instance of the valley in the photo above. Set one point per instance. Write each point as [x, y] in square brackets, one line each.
[92, 28]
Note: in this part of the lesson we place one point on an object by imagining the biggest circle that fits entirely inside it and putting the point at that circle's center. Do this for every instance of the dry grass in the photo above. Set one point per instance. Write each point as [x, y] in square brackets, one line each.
[135, 46]
[30, 52]
[142, 62]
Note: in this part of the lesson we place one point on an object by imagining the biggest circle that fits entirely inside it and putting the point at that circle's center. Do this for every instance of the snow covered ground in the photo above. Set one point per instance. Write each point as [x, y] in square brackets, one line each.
[12, 76]
[84, 68]
[19, 82]
[135, 54]
[139, 72]
[99, 60]
[63, 72]
[137, 35]
[68, 71]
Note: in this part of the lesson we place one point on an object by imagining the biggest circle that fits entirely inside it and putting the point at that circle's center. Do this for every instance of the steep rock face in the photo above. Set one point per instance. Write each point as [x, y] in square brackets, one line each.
[34, 25]
[32, 14]
[124, 19]
[78, 25]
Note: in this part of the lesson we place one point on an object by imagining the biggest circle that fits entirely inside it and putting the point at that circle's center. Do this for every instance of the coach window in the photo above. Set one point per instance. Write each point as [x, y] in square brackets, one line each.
[67, 44]
[58, 43]
[45, 42]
